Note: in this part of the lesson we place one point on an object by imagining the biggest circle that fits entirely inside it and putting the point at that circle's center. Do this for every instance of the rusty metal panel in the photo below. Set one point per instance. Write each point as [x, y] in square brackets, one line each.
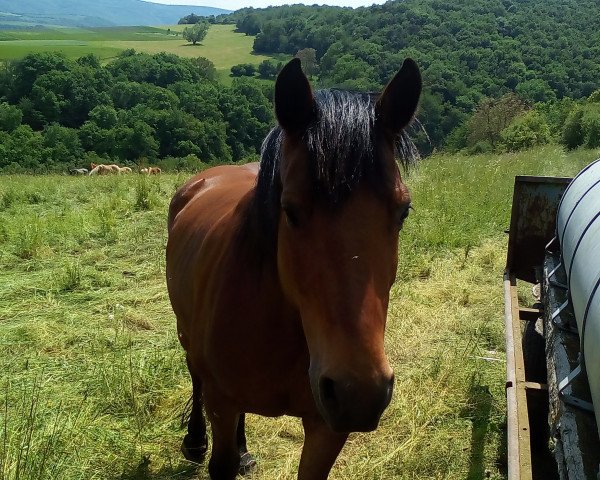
[532, 223]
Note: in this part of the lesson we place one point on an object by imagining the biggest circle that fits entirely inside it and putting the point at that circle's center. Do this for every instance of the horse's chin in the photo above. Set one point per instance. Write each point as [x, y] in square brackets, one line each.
[346, 425]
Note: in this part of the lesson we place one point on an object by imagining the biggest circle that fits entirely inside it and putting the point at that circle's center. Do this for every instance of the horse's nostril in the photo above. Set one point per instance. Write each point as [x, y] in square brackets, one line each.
[327, 392]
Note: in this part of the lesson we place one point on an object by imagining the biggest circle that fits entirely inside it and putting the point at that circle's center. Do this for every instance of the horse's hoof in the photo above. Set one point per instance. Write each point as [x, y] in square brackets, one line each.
[194, 450]
[247, 463]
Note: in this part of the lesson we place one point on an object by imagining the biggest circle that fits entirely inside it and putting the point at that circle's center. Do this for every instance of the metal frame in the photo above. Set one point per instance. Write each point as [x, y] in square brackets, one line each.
[518, 439]
[533, 214]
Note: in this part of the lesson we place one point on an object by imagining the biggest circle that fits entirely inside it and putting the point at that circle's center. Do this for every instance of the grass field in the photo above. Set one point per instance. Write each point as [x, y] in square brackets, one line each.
[222, 45]
[94, 383]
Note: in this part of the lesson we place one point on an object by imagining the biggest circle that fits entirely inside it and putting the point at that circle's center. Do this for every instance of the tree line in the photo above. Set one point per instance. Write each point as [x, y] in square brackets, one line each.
[474, 55]
[57, 113]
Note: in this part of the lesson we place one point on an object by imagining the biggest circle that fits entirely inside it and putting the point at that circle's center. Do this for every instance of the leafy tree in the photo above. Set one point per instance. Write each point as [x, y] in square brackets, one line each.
[243, 70]
[594, 97]
[27, 70]
[89, 60]
[96, 139]
[268, 69]
[105, 116]
[249, 24]
[192, 18]
[572, 134]
[62, 145]
[555, 113]
[161, 69]
[196, 33]
[10, 117]
[248, 115]
[590, 124]
[535, 90]
[582, 127]
[352, 73]
[200, 100]
[25, 146]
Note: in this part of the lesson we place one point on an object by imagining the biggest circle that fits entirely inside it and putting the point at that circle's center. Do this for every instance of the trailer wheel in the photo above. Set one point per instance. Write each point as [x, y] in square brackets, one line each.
[534, 357]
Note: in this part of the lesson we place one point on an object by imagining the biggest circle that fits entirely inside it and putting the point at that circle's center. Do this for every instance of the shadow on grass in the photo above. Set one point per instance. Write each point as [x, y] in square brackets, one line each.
[478, 411]
[142, 472]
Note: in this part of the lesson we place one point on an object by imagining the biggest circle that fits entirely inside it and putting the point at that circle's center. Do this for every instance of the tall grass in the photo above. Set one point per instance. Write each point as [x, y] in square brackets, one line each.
[93, 381]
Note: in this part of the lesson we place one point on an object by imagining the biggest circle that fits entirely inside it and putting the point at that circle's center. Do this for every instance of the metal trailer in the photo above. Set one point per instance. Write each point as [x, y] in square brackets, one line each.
[550, 431]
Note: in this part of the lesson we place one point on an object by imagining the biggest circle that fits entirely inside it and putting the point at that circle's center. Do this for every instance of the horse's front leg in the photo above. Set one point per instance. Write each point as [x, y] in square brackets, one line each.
[225, 456]
[321, 447]
[247, 460]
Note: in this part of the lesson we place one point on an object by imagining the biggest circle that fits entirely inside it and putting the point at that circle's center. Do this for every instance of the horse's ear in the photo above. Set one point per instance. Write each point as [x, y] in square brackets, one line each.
[294, 101]
[398, 102]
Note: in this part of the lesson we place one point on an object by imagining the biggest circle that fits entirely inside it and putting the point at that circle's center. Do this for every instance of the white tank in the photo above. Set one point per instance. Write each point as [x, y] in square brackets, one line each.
[578, 231]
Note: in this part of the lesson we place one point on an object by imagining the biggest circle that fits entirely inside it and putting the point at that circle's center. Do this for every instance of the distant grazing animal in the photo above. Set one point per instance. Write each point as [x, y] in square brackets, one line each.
[154, 170]
[101, 170]
[279, 273]
[78, 171]
[125, 170]
[112, 168]
[144, 170]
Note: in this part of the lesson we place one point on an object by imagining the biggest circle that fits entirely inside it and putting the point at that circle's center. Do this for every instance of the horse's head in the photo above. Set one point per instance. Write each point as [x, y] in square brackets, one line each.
[342, 206]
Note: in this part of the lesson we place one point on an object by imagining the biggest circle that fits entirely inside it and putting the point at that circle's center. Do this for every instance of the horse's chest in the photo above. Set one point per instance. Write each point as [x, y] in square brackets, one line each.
[260, 361]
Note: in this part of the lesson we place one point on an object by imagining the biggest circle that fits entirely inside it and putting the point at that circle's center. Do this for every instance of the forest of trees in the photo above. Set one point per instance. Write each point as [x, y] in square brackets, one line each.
[56, 113]
[499, 75]
[471, 53]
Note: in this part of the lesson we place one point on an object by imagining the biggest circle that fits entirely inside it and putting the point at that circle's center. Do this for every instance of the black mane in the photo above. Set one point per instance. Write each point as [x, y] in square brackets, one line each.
[342, 145]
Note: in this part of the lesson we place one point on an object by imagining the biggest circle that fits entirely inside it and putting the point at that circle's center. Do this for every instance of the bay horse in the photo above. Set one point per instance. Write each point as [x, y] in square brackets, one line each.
[279, 273]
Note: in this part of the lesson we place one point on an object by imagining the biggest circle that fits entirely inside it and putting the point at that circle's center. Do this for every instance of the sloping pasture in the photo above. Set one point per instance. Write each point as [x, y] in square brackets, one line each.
[93, 382]
[222, 45]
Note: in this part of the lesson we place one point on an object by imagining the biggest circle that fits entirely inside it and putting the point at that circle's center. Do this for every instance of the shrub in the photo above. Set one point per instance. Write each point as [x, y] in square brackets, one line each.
[525, 131]
[590, 124]
[582, 127]
[572, 134]
[243, 70]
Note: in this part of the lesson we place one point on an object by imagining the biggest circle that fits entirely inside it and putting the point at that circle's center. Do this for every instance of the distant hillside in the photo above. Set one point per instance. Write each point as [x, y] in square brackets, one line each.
[468, 50]
[95, 13]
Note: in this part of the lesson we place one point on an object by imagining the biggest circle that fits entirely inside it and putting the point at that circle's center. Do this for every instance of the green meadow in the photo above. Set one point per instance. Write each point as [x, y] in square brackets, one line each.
[222, 45]
[94, 383]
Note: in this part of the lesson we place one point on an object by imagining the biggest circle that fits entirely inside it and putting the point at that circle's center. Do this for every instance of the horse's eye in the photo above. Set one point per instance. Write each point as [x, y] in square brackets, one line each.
[403, 214]
[291, 214]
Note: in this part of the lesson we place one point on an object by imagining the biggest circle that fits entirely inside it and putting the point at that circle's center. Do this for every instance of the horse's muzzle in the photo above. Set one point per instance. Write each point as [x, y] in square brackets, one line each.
[349, 405]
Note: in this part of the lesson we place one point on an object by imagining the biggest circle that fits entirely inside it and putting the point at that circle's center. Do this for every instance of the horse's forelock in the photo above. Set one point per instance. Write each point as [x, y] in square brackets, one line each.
[341, 143]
